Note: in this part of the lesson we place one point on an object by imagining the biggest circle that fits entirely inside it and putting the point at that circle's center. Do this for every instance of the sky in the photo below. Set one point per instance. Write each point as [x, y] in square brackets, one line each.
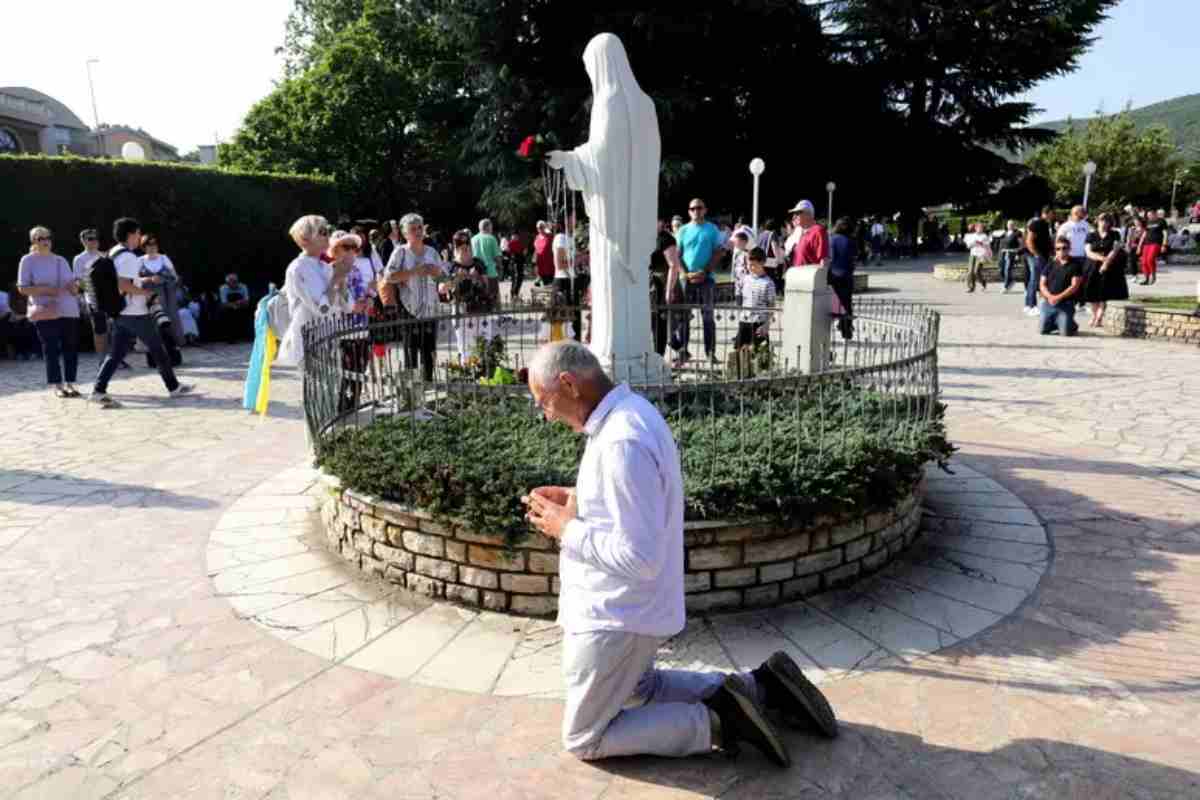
[1147, 52]
[185, 72]
[188, 72]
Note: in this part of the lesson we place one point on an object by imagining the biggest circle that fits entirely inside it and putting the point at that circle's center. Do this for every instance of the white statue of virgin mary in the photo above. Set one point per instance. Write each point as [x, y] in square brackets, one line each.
[617, 173]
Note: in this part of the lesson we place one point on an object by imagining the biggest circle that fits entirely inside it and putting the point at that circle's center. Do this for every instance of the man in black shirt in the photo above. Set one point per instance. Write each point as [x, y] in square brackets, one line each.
[1059, 288]
[1038, 242]
[1011, 248]
[665, 269]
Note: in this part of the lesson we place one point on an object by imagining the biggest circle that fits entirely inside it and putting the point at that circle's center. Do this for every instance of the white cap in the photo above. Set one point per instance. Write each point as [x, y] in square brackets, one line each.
[803, 205]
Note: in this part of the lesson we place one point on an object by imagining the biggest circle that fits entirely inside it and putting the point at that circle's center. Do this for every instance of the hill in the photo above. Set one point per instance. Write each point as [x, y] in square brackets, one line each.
[1181, 116]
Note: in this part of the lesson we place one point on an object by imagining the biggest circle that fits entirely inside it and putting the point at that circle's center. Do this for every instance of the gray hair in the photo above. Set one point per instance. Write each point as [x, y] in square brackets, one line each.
[307, 228]
[485, 226]
[565, 355]
[37, 232]
[411, 219]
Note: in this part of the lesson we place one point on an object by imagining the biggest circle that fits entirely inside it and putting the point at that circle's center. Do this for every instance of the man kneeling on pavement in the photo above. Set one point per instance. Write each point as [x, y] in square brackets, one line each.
[1060, 289]
[620, 530]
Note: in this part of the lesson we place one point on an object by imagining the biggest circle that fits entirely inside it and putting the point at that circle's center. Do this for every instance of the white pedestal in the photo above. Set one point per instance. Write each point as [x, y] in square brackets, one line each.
[806, 315]
[649, 368]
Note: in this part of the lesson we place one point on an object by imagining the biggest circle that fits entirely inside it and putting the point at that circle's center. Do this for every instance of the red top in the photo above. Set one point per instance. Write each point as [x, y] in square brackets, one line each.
[544, 255]
[813, 247]
[516, 247]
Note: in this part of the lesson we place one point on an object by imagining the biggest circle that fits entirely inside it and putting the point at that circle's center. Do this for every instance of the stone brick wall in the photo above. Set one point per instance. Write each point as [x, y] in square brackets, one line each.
[1136, 321]
[729, 565]
[991, 272]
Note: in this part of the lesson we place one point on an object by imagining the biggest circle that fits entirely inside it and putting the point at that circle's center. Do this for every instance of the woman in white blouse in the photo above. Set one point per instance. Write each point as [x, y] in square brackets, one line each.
[314, 290]
[416, 271]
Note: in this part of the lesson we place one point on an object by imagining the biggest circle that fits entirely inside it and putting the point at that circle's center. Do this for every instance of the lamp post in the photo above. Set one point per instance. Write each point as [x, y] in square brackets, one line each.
[95, 113]
[1089, 169]
[830, 187]
[1175, 188]
[756, 169]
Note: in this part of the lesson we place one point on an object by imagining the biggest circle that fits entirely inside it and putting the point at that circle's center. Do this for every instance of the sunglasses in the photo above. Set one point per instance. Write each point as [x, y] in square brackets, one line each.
[43, 239]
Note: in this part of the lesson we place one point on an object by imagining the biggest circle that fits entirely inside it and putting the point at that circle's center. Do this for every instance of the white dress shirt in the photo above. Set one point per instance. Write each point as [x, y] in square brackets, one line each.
[621, 565]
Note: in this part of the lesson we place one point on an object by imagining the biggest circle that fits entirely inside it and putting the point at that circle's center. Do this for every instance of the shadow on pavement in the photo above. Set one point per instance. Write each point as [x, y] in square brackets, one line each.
[872, 762]
[35, 487]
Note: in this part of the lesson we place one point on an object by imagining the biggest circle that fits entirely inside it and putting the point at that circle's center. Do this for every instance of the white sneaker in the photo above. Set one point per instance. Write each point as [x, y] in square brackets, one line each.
[1032, 311]
[182, 389]
[103, 400]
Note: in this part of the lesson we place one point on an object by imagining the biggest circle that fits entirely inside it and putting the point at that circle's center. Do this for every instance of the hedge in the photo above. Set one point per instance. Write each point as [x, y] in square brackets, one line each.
[209, 221]
[475, 463]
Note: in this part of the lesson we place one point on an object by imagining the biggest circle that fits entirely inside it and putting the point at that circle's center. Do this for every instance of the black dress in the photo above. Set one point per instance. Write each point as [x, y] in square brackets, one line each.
[1100, 287]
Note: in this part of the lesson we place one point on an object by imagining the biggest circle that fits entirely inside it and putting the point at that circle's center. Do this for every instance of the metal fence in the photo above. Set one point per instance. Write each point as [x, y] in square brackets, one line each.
[880, 374]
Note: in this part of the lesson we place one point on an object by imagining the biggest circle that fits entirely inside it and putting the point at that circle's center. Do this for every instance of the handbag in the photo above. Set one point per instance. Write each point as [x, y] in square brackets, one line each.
[385, 309]
[356, 354]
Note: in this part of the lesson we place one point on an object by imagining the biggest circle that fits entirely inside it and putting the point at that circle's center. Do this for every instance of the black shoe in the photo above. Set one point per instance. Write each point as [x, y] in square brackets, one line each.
[743, 721]
[787, 690]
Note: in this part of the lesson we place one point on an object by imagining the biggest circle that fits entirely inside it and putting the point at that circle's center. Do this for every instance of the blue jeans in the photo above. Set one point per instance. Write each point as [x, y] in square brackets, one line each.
[60, 340]
[701, 294]
[1008, 261]
[125, 329]
[1060, 317]
[1033, 279]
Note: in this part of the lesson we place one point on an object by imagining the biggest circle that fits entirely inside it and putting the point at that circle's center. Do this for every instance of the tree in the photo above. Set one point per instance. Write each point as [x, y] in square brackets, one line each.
[950, 71]
[504, 70]
[360, 109]
[1132, 166]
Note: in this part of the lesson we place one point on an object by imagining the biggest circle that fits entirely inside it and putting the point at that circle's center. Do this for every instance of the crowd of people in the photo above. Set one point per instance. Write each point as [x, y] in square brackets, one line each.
[148, 303]
[1076, 262]
[221, 314]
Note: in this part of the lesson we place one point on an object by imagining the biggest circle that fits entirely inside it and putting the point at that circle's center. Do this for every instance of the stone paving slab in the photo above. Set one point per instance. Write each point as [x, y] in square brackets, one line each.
[933, 598]
[1091, 688]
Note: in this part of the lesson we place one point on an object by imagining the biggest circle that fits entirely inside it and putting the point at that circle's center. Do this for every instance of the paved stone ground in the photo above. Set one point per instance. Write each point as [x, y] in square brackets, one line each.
[982, 554]
[125, 674]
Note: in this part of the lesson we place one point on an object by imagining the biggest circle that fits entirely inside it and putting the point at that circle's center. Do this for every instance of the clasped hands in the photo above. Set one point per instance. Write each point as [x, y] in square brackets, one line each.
[550, 509]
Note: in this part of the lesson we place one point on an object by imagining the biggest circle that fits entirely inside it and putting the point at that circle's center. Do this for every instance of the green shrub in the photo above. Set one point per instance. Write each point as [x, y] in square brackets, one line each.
[209, 221]
[754, 453]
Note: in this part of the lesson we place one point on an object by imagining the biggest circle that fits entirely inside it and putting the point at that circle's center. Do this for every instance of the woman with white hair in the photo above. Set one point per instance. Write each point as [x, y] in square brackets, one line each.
[53, 291]
[415, 269]
[314, 290]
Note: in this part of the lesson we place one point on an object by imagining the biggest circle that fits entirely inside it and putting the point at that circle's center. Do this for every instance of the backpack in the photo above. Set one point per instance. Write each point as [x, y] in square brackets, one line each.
[103, 276]
[279, 316]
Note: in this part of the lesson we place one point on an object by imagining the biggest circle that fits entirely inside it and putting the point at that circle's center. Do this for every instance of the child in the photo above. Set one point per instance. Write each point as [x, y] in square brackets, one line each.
[741, 269]
[758, 295]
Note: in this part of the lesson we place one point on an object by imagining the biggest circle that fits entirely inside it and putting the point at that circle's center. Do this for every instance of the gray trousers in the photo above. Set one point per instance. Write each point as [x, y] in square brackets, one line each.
[618, 704]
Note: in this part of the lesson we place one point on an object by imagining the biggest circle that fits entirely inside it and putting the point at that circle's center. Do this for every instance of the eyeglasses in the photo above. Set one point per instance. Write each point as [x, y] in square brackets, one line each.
[695, 208]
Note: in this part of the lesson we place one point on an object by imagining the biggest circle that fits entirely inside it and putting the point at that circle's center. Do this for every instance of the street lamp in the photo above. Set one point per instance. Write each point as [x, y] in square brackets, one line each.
[1175, 187]
[95, 113]
[1089, 169]
[830, 187]
[756, 169]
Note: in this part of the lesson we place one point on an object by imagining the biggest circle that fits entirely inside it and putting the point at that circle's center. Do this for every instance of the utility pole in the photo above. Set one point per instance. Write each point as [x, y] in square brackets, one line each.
[95, 113]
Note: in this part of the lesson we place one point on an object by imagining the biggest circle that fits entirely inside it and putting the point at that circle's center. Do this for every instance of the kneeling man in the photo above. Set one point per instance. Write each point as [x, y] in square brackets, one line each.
[620, 530]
